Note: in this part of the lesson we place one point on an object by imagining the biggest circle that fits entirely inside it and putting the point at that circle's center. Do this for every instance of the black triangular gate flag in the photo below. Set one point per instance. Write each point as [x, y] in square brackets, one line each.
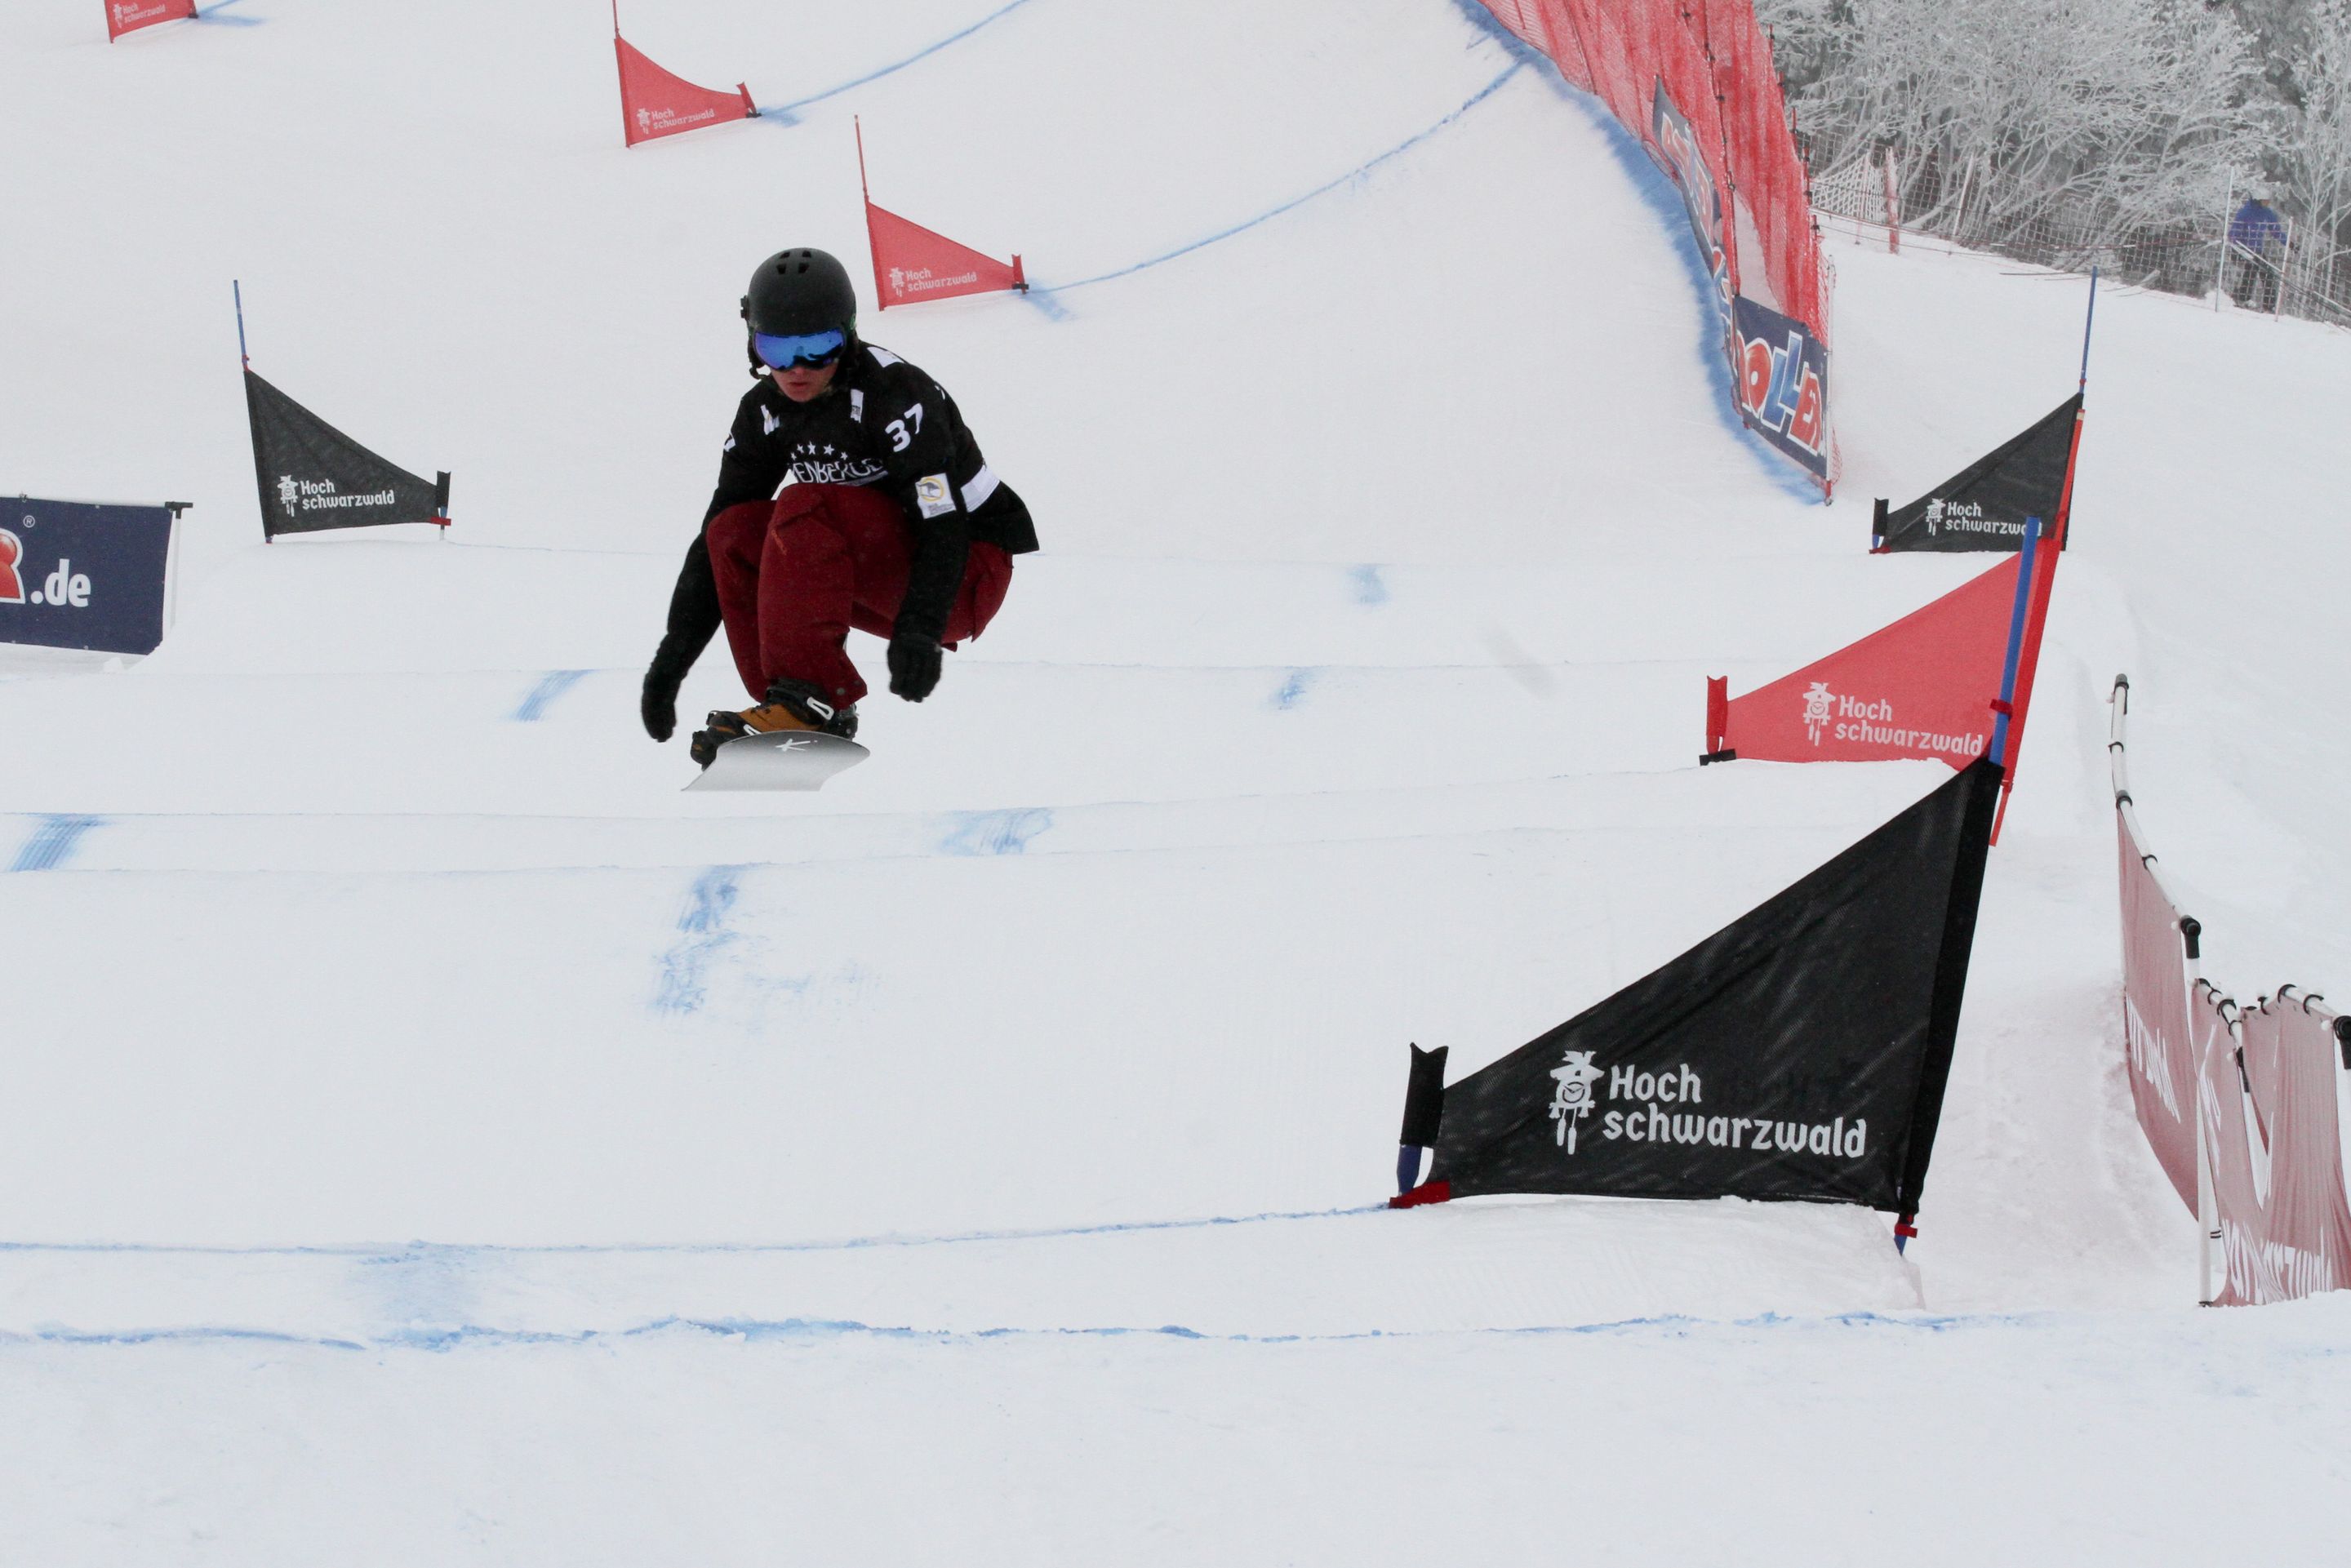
[1983, 507]
[313, 477]
[1799, 1053]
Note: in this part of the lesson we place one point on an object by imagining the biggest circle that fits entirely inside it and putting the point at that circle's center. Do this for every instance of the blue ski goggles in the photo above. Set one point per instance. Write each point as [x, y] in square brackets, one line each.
[815, 349]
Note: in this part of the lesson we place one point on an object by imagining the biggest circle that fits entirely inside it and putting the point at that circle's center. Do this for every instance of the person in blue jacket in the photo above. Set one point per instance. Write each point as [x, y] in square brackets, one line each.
[2256, 254]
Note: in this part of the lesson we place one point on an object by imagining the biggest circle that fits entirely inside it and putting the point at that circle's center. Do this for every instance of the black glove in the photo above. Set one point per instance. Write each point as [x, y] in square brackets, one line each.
[913, 667]
[658, 704]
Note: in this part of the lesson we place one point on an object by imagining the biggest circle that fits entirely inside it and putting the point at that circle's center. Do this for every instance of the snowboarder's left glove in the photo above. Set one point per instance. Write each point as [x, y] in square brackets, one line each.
[658, 704]
[914, 664]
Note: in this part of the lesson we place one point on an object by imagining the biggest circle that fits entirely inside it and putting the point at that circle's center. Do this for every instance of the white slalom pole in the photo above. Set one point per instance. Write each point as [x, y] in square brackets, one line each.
[2220, 275]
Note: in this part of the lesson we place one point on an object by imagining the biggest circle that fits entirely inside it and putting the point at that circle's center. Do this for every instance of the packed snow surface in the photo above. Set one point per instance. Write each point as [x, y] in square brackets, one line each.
[427, 1134]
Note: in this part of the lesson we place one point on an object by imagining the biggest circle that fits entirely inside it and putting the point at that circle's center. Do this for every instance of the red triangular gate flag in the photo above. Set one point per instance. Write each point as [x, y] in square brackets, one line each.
[129, 16]
[654, 103]
[1923, 688]
[911, 262]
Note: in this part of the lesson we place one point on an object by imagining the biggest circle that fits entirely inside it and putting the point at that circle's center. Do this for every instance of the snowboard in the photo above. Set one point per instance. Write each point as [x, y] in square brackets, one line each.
[781, 759]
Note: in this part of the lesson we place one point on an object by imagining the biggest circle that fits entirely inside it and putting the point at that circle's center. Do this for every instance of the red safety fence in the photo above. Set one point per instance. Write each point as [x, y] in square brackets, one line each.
[1694, 79]
[1773, 185]
[2240, 1107]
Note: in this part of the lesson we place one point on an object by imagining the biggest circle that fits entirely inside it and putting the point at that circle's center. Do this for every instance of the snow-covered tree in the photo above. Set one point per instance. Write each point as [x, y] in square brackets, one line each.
[2313, 158]
[2057, 129]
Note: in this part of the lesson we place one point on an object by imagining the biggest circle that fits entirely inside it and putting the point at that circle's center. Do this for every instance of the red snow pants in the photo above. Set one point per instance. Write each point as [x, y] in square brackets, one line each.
[796, 573]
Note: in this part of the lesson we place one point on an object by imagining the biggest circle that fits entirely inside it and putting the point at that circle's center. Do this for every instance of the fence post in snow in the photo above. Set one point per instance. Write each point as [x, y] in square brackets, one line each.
[2208, 1208]
[1893, 205]
[2285, 261]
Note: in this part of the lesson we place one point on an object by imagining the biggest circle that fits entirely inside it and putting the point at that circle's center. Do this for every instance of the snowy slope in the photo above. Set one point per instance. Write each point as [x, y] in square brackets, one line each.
[391, 1048]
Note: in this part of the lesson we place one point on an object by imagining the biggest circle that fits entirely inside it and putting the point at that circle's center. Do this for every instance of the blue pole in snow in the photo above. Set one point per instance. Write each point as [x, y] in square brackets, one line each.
[2087, 321]
[2015, 642]
[237, 289]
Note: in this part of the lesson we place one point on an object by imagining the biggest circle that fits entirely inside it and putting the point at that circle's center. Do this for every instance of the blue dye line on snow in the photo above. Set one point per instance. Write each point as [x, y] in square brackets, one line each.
[702, 935]
[52, 842]
[808, 1330]
[1005, 832]
[417, 1250]
[1369, 587]
[551, 686]
[784, 110]
[1040, 294]
[1292, 690]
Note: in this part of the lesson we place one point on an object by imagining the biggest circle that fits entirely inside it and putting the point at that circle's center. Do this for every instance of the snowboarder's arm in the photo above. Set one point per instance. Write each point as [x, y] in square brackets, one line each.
[693, 616]
[747, 470]
[693, 607]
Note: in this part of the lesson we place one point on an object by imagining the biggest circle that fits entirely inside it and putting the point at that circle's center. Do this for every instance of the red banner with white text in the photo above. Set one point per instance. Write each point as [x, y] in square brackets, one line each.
[911, 263]
[1926, 686]
[654, 103]
[129, 16]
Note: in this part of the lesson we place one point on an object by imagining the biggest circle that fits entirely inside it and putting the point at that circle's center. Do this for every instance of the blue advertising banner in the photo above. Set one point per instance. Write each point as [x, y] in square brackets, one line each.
[1783, 383]
[1701, 197]
[77, 574]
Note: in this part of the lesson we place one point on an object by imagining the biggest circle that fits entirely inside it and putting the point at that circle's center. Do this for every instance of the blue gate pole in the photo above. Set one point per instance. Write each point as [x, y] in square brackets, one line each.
[2003, 709]
[2088, 321]
[237, 289]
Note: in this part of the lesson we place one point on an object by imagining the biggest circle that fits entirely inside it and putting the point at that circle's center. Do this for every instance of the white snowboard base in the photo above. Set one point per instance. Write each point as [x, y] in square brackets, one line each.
[784, 759]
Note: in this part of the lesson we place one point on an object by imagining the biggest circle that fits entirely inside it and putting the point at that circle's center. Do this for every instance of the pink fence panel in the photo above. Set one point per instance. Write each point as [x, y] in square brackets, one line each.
[2158, 1053]
[2272, 1127]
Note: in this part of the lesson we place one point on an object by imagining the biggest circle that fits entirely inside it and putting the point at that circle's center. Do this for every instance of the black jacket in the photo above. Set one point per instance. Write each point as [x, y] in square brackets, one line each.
[882, 423]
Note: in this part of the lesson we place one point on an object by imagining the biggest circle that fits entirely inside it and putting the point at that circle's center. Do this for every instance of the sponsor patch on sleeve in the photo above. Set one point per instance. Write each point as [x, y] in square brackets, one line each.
[932, 495]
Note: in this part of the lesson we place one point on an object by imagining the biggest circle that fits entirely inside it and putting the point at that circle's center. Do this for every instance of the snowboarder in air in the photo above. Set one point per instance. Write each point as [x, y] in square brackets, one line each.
[894, 524]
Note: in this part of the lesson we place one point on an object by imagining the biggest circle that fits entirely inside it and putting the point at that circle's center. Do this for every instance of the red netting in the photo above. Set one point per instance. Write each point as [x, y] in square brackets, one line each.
[1715, 64]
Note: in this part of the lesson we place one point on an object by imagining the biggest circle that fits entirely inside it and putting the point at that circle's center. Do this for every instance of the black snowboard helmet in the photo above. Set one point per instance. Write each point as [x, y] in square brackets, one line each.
[801, 291]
